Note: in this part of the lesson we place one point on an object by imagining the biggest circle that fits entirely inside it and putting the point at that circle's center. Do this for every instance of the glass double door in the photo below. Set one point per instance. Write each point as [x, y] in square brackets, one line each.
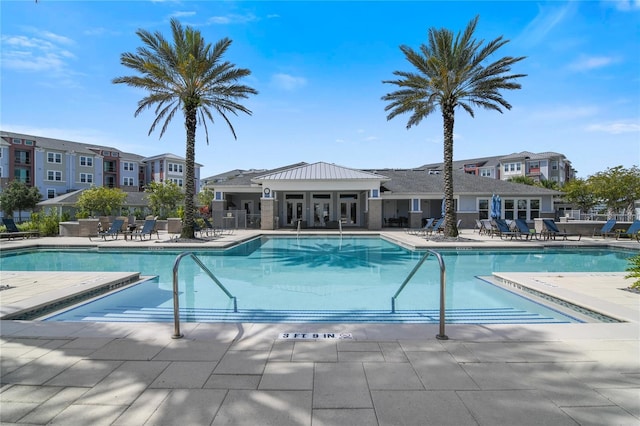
[295, 209]
[349, 209]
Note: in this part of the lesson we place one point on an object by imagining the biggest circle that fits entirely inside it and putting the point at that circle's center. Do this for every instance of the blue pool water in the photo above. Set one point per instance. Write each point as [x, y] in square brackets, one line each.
[319, 279]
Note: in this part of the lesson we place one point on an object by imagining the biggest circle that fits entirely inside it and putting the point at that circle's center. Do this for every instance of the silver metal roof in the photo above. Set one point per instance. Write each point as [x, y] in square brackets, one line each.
[320, 171]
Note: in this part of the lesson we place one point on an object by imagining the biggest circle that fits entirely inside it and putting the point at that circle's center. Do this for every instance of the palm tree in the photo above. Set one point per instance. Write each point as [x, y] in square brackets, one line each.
[451, 72]
[190, 75]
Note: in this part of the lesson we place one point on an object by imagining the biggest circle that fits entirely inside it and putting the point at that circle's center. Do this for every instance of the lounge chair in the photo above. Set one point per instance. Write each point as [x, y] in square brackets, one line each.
[209, 229]
[421, 231]
[607, 229]
[14, 232]
[436, 227]
[551, 231]
[631, 232]
[149, 228]
[524, 230]
[114, 230]
[503, 229]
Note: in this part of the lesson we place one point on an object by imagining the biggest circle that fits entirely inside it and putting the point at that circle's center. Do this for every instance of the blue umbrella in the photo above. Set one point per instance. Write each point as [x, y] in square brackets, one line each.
[496, 206]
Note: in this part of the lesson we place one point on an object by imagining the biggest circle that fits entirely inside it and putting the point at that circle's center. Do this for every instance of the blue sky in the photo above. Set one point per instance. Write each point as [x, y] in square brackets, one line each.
[319, 67]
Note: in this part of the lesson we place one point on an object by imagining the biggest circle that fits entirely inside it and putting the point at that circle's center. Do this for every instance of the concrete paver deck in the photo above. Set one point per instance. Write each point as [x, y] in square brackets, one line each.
[388, 374]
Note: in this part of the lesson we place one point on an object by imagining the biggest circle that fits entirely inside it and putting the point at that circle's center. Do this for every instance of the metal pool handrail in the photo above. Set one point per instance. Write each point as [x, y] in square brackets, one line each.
[441, 335]
[176, 309]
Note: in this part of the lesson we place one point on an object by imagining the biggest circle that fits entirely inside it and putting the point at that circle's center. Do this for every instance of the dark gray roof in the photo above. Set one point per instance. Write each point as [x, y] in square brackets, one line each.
[134, 199]
[412, 181]
[243, 177]
[78, 147]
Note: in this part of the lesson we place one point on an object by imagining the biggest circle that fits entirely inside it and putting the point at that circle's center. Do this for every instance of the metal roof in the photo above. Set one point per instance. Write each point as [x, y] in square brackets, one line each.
[320, 171]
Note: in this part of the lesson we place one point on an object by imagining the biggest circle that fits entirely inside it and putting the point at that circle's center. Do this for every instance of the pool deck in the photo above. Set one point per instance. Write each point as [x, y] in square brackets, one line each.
[385, 374]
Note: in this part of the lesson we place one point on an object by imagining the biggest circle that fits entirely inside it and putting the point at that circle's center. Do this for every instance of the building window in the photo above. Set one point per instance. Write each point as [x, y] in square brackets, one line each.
[512, 167]
[485, 173]
[127, 181]
[17, 141]
[86, 161]
[86, 178]
[22, 157]
[54, 175]
[128, 167]
[176, 181]
[51, 193]
[375, 193]
[54, 157]
[175, 168]
[483, 208]
[218, 196]
[29, 143]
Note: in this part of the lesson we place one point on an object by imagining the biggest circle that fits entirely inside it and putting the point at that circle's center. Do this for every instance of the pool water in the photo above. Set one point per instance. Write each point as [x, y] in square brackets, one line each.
[318, 279]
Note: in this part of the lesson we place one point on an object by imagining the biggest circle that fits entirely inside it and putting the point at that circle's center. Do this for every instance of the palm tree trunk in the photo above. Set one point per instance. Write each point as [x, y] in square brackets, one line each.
[189, 187]
[450, 228]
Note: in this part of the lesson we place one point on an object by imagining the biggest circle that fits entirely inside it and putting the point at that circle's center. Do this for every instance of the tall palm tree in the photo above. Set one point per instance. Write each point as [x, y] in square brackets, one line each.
[190, 75]
[451, 72]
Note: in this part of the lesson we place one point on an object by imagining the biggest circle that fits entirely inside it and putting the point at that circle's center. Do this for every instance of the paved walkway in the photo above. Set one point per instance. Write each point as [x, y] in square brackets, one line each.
[252, 374]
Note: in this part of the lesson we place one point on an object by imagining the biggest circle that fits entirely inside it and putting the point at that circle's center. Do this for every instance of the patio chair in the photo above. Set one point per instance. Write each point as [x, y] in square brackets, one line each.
[14, 232]
[149, 228]
[525, 231]
[503, 229]
[551, 231]
[631, 232]
[607, 229]
[209, 229]
[436, 227]
[114, 230]
[420, 231]
[487, 227]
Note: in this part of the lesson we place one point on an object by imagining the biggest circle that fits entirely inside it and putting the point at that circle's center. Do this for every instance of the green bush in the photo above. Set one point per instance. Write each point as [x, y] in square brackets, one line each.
[634, 271]
[47, 224]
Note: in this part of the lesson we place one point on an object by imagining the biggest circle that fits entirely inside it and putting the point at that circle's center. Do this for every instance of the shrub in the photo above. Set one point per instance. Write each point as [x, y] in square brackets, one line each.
[634, 271]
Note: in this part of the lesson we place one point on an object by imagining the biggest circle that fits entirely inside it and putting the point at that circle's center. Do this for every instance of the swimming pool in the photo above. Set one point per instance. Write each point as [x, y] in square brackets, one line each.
[318, 279]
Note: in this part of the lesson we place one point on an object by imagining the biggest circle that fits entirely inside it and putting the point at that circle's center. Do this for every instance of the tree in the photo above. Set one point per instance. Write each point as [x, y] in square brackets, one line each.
[579, 192]
[163, 197]
[525, 180]
[18, 196]
[101, 200]
[617, 187]
[451, 72]
[205, 198]
[186, 74]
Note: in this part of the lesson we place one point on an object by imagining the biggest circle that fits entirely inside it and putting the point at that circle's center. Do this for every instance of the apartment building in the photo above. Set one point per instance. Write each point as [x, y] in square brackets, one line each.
[57, 167]
[550, 166]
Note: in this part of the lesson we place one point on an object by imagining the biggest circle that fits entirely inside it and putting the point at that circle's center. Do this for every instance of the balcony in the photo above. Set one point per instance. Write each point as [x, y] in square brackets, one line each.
[22, 161]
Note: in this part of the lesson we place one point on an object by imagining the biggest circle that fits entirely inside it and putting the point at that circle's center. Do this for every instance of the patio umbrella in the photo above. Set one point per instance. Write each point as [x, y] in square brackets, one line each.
[495, 206]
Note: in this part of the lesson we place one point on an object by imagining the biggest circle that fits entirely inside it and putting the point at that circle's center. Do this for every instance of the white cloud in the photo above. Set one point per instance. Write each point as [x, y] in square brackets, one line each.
[624, 5]
[586, 63]
[31, 54]
[233, 19]
[615, 128]
[548, 18]
[287, 81]
[182, 14]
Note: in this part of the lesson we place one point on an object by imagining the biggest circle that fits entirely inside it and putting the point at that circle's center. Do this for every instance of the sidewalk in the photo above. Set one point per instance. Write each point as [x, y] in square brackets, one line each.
[250, 374]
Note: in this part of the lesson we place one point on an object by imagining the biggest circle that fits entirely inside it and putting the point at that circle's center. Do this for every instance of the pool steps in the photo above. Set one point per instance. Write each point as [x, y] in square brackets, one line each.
[462, 316]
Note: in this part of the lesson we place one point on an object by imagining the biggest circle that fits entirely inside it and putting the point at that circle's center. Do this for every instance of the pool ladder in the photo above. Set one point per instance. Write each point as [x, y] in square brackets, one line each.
[176, 308]
[441, 335]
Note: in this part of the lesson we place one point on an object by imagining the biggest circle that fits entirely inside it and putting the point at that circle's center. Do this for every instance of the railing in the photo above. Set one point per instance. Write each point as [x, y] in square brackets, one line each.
[176, 308]
[441, 335]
